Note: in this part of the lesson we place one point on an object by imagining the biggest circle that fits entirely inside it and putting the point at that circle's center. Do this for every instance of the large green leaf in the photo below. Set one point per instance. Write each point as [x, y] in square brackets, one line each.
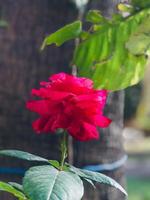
[8, 188]
[97, 177]
[22, 155]
[139, 41]
[48, 183]
[104, 57]
[68, 32]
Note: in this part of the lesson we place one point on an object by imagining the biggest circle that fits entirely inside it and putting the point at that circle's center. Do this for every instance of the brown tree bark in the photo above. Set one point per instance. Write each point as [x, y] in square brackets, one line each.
[109, 148]
[22, 66]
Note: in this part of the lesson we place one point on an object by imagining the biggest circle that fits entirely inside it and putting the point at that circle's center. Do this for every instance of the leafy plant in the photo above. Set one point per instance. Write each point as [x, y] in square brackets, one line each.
[49, 182]
[111, 47]
[8, 187]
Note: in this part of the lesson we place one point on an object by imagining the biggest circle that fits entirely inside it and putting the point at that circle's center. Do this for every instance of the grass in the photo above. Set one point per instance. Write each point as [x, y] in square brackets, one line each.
[138, 189]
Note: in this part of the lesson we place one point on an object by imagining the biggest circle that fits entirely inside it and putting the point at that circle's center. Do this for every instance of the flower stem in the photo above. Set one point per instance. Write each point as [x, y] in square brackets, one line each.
[63, 150]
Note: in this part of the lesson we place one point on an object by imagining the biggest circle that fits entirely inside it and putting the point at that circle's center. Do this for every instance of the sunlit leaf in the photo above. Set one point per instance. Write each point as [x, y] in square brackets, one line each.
[68, 32]
[125, 7]
[95, 17]
[139, 42]
[103, 55]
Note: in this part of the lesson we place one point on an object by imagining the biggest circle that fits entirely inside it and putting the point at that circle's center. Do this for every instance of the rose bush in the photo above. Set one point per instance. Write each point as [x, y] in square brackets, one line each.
[71, 103]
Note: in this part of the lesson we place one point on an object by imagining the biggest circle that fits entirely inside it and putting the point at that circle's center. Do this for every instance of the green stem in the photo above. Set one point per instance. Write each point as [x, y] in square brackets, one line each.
[63, 150]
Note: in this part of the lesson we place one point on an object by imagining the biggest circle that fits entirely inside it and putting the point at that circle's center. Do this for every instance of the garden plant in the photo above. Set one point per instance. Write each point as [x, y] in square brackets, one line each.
[110, 55]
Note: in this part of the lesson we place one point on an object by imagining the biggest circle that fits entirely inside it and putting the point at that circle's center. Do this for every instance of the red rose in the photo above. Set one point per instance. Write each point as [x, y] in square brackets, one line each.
[71, 103]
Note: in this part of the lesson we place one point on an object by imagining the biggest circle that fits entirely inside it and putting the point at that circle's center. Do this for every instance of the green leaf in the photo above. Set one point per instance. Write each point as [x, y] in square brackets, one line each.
[16, 186]
[125, 7]
[8, 188]
[95, 17]
[22, 155]
[139, 41]
[68, 32]
[54, 163]
[48, 183]
[103, 55]
[97, 177]
[141, 3]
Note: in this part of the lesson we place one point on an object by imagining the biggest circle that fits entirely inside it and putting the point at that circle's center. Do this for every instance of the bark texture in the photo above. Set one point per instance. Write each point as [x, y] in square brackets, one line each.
[109, 148]
[22, 66]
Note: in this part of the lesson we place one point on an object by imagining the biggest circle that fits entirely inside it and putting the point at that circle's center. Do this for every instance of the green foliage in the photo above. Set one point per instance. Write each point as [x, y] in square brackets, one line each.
[16, 186]
[97, 177]
[103, 55]
[94, 16]
[139, 41]
[12, 190]
[125, 8]
[141, 3]
[111, 48]
[48, 183]
[22, 155]
[54, 163]
[68, 32]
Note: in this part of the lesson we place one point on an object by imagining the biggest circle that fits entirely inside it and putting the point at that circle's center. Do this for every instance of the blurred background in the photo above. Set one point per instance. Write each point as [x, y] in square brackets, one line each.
[23, 26]
[136, 135]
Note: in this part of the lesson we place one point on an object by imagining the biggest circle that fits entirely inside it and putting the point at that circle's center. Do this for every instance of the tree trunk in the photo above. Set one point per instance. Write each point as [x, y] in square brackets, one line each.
[22, 66]
[109, 148]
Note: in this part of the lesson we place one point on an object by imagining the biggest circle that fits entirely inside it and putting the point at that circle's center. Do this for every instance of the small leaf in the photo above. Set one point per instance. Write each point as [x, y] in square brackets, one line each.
[125, 7]
[54, 163]
[68, 32]
[8, 188]
[97, 177]
[95, 17]
[22, 155]
[48, 183]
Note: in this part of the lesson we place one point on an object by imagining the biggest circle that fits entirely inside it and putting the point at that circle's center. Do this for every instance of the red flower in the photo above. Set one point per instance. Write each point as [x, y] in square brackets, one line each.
[70, 103]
